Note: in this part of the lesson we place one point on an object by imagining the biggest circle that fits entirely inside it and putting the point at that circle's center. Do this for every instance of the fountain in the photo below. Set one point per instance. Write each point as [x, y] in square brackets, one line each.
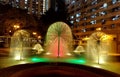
[79, 50]
[59, 40]
[38, 48]
[98, 46]
[19, 42]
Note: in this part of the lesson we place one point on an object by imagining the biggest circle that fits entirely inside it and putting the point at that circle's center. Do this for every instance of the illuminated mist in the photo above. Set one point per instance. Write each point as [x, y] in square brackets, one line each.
[59, 40]
[19, 41]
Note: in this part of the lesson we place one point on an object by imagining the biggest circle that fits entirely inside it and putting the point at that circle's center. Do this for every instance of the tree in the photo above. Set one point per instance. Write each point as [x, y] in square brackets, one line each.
[3, 10]
[53, 15]
[18, 17]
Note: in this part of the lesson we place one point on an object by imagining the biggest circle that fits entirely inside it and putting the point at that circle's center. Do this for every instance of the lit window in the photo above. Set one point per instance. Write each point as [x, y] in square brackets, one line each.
[116, 17]
[78, 15]
[104, 5]
[36, 2]
[17, 6]
[25, 7]
[17, 0]
[93, 22]
[94, 2]
[71, 17]
[102, 13]
[25, 2]
[71, 22]
[73, 2]
[114, 1]
[78, 20]
[84, 30]
[93, 10]
[28, 12]
[103, 21]
[113, 19]
[33, 11]
[93, 16]
[85, 0]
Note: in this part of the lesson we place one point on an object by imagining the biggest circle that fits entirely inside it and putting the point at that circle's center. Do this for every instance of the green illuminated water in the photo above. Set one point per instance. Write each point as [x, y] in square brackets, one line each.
[81, 60]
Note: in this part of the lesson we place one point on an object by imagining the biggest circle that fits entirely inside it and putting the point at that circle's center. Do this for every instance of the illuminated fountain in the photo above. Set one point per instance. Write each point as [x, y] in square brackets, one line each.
[19, 42]
[98, 46]
[79, 49]
[59, 40]
[38, 48]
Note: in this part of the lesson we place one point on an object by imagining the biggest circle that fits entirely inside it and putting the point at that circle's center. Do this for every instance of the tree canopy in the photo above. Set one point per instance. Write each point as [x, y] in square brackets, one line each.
[15, 16]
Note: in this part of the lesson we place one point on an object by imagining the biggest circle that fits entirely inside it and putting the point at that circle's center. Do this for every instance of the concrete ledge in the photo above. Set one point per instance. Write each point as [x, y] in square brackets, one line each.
[58, 69]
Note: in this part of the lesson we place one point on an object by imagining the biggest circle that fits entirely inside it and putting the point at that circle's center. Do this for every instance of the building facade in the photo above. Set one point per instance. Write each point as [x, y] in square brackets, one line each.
[35, 7]
[89, 16]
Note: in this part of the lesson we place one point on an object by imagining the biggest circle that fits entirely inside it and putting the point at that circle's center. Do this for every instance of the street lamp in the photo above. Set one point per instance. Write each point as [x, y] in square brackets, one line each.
[39, 37]
[34, 33]
[16, 27]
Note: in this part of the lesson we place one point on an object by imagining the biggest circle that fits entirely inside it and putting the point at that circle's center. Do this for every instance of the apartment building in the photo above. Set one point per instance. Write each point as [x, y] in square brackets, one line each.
[35, 7]
[89, 16]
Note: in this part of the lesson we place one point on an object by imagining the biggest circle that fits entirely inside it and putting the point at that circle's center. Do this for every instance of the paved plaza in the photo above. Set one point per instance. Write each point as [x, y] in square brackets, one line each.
[7, 61]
